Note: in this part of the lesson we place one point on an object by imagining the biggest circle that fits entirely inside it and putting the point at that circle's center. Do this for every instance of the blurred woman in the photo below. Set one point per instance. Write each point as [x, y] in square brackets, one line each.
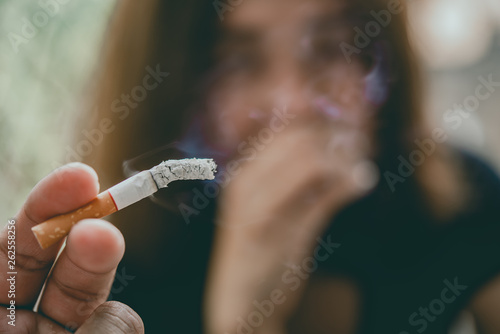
[337, 208]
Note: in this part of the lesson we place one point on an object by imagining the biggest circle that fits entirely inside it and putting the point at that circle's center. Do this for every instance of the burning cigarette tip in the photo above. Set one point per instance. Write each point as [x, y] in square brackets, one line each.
[185, 169]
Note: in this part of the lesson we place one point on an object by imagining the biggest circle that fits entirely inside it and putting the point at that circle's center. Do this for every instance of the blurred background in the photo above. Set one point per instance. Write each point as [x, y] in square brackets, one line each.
[49, 50]
[458, 42]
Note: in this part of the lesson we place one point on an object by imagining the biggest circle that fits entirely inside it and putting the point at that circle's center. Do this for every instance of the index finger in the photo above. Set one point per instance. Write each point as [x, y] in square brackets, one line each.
[65, 189]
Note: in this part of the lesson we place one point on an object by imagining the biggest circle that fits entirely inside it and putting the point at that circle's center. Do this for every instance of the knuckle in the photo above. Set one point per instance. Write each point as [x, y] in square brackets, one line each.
[72, 292]
[31, 264]
[25, 262]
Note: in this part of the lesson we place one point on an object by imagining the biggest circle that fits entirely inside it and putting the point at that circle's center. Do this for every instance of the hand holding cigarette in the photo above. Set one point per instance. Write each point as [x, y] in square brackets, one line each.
[124, 194]
[77, 285]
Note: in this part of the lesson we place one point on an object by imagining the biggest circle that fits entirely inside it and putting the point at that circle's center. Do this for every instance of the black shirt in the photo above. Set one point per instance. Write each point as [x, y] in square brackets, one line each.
[415, 274]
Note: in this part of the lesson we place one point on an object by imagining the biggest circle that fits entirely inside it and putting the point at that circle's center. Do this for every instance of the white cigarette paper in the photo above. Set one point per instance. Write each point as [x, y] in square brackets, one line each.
[123, 194]
[150, 181]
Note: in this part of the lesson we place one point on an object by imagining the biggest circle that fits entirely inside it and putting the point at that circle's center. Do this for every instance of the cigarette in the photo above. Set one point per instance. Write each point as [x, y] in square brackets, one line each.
[124, 194]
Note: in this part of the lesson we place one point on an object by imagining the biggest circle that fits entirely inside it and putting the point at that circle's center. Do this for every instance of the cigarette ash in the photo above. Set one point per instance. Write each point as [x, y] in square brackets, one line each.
[184, 169]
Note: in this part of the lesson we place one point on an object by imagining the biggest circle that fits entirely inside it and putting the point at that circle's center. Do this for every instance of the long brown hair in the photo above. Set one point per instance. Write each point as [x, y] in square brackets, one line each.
[438, 183]
[179, 37]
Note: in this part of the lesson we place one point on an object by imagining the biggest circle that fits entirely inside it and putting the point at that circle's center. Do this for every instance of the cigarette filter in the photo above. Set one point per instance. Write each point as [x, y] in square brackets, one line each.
[124, 194]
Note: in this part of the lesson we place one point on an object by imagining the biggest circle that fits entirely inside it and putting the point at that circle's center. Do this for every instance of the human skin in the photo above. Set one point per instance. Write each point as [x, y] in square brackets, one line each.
[281, 201]
[76, 291]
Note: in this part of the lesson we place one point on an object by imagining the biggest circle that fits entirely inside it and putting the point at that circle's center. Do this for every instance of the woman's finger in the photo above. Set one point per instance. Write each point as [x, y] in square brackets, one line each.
[82, 278]
[113, 317]
[67, 188]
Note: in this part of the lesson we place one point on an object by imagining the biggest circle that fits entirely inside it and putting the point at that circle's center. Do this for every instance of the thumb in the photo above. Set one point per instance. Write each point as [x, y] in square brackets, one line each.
[112, 317]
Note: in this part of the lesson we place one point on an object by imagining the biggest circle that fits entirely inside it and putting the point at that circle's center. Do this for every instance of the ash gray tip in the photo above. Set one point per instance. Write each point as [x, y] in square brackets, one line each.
[184, 169]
